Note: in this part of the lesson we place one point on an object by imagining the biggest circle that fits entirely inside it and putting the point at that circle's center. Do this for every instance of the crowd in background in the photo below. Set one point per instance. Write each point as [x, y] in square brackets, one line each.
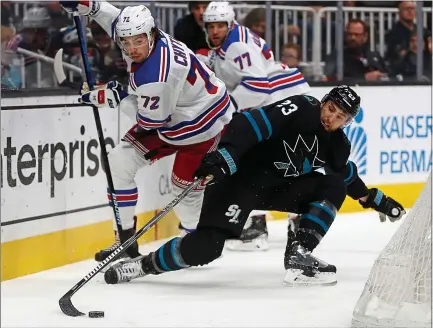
[46, 27]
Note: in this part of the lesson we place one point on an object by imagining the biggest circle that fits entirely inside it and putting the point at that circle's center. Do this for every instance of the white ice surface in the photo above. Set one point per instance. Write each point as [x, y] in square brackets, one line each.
[237, 290]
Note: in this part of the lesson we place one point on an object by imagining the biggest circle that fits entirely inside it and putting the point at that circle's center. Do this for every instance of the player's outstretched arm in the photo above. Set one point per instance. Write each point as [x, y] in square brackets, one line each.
[101, 11]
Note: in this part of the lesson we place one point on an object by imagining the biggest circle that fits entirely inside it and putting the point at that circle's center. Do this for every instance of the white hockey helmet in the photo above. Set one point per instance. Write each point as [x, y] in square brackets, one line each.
[135, 20]
[219, 12]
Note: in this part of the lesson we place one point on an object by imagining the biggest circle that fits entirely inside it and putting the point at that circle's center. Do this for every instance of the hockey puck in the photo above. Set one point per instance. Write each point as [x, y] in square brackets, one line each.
[96, 314]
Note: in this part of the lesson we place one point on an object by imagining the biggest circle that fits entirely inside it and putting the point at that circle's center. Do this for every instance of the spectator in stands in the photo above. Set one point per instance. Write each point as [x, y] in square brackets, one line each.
[407, 67]
[67, 38]
[255, 20]
[7, 21]
[189, 29]
[398, 39]
[10, 75]
[291, 56]
[108, 60]
[360, 62]
[59, 17]
[35, 36]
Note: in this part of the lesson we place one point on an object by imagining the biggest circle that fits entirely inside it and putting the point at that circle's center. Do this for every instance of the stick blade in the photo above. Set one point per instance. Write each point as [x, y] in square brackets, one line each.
[58, 66]
[68, 308]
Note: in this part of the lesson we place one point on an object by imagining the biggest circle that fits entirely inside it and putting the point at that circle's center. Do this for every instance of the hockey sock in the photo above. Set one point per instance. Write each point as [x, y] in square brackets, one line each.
[315, 223]
[126, 200]
[168, 257]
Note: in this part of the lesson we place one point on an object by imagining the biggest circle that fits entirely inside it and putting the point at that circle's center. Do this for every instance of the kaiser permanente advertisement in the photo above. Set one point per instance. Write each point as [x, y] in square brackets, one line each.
[392, 135]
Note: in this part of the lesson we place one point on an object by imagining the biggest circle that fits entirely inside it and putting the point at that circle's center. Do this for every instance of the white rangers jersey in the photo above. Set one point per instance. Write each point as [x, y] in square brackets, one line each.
[247, 66]
[172, 91]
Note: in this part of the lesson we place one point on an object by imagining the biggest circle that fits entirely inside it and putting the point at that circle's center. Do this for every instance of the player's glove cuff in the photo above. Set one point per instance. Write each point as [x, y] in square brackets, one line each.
[83, 7]
[110, 96]
[217, 164]
[386, 206]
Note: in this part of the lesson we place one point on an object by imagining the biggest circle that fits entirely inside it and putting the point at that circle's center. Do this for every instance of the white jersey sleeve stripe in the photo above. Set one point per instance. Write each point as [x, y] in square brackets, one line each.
[165, 65]
[242, 35]
[148, 123]
[199, 124]
[132, 81]
[284, 81]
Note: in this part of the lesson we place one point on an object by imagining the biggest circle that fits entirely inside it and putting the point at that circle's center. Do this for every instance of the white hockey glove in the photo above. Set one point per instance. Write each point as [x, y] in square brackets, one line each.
[110, 96]
[83, 7]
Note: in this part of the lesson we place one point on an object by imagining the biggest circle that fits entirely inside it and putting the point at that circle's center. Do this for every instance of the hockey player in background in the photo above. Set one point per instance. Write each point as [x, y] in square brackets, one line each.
[246, 64]
[267, 160]
[179, 105]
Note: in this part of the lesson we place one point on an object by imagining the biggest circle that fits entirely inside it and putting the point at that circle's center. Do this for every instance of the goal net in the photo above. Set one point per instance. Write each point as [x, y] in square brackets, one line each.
[398, 292]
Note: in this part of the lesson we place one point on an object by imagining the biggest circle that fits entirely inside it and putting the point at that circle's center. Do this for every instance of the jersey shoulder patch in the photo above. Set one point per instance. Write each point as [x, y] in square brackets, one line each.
[238, 33]
[313, 101]
[155, 68]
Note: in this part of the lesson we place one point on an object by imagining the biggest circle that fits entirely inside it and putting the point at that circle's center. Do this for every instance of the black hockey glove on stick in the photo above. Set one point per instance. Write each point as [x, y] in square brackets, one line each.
[217, 164]
[386, 206]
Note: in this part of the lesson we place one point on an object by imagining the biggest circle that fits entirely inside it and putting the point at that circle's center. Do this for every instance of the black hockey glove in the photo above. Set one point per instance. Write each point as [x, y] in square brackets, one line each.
[216, 165]
[386, 206]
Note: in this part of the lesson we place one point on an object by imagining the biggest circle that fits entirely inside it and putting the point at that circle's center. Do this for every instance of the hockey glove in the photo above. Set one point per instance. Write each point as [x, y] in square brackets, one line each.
[110, 96]
[386, 206]
[83, 7]
[216, 165]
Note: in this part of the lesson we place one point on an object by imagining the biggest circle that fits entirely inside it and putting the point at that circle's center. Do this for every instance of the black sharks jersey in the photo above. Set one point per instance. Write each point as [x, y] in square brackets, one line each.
[286, 140]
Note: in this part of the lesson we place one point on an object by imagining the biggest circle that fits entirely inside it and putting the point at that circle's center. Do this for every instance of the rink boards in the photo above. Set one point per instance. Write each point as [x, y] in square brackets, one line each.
[53, 200]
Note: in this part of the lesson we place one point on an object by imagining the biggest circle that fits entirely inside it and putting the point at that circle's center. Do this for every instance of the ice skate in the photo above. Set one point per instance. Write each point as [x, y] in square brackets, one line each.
[304, 269]
[104, 253]
[254, 237]
[125, 270]
[131, 252]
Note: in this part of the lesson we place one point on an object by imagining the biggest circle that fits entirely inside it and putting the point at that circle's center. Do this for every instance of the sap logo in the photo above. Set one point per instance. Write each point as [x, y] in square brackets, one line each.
[233, 212]
[358, 140]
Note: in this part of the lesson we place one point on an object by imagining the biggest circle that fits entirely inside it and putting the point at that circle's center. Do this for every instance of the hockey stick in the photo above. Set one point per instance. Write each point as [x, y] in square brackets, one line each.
[104, 156]
[65, 301]
[60, 73]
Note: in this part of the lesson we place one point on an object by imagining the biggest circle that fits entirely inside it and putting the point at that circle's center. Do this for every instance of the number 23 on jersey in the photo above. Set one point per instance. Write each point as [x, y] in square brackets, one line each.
[287, 107]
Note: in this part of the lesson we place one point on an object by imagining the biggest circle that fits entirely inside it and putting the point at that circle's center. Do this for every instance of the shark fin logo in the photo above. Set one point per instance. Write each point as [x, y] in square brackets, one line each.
[302, 158]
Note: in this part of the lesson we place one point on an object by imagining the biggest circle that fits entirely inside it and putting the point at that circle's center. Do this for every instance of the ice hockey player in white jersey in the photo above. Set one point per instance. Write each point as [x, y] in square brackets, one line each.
[179, 105]
[254, 79]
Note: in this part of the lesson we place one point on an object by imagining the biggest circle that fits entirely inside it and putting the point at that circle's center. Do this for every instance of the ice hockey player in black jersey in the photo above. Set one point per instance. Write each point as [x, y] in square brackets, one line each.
[269, 159]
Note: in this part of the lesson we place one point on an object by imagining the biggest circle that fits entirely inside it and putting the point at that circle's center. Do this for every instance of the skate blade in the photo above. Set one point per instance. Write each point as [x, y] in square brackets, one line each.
[296, 278]
[259, 244]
